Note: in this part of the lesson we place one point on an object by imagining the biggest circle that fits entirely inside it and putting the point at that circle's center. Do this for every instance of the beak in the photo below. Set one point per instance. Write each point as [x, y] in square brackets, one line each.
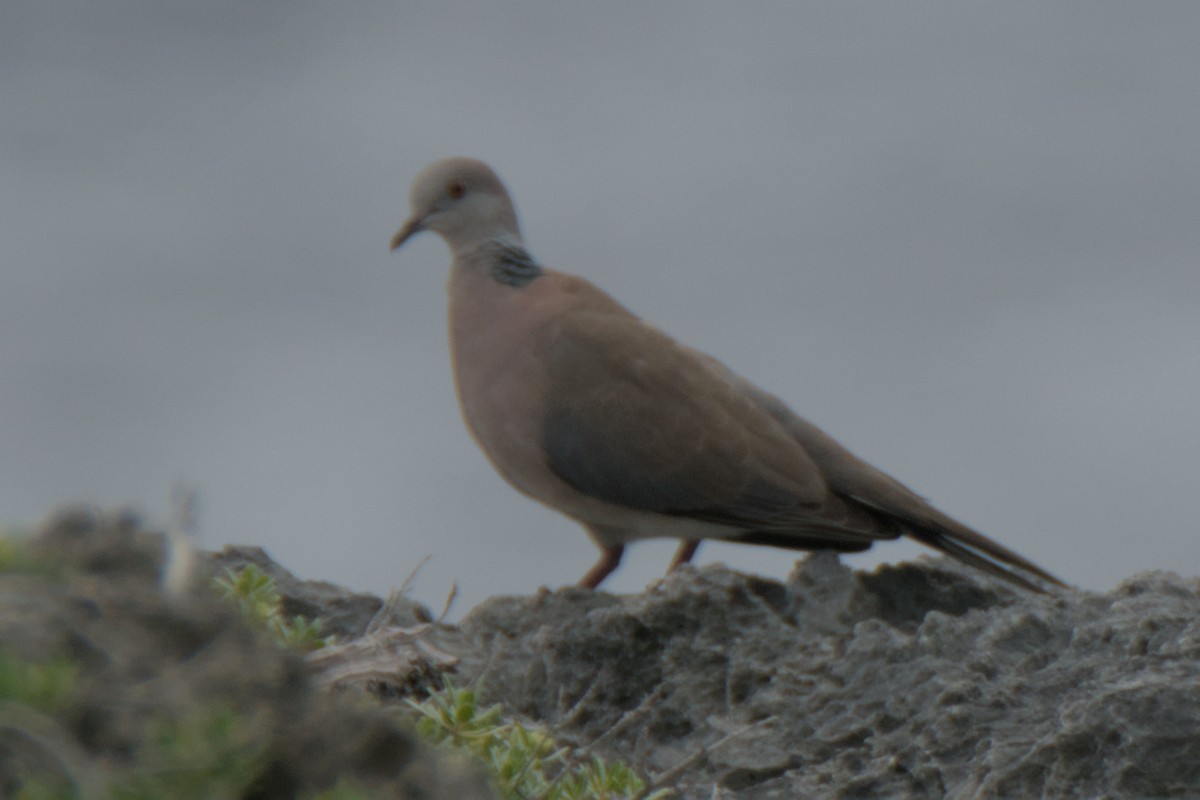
[413, 226]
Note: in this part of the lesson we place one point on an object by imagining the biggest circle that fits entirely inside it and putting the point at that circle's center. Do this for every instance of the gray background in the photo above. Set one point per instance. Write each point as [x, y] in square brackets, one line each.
[962, 237]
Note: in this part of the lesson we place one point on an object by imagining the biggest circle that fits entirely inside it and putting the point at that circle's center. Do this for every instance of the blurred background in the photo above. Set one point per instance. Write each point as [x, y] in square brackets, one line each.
[962, 238]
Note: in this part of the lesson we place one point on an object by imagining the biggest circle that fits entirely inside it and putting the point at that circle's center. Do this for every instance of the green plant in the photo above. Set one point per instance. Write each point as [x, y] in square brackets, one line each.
[39, 791]
[17, 557]
[216, 754]
[253, 591]
[524, 761]
[44, 686]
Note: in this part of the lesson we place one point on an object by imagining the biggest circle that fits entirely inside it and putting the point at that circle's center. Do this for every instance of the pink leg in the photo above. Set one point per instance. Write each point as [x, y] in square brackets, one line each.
[610, 559]
[684, 554]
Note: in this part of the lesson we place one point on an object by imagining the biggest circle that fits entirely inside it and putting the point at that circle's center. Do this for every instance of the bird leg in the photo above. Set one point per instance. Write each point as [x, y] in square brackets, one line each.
[610, 559]
[684, 554]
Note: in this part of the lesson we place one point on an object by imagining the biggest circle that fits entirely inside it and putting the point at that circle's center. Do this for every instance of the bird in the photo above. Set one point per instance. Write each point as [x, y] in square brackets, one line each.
[583, 406]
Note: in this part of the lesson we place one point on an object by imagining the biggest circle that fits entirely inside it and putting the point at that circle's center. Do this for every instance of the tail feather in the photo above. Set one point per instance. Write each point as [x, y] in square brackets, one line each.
[981, 552]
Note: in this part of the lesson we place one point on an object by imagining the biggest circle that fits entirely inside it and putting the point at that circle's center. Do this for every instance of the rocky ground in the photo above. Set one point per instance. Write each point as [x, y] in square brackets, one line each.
[919, 681]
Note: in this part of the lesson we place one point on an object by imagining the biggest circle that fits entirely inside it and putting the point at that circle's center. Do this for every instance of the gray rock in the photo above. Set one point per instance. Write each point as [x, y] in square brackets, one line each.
[916, 681]
[921, 680]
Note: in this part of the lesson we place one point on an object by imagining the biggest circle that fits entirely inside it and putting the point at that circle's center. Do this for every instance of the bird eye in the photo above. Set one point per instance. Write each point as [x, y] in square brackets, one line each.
[456, 190]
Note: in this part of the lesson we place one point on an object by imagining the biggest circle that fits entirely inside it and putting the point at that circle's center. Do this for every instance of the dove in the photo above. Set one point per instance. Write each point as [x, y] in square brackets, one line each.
[588, 409]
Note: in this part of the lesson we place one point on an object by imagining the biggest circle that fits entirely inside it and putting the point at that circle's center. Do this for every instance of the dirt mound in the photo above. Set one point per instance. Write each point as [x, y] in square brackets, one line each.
[176, 695]
[923, 680]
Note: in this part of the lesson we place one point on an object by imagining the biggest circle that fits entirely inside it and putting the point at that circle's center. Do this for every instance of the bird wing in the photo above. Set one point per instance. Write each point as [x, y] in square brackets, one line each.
[858, 481]
[635, 419]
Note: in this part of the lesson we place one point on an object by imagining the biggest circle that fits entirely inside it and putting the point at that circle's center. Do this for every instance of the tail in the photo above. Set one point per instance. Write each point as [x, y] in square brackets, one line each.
[980, 552]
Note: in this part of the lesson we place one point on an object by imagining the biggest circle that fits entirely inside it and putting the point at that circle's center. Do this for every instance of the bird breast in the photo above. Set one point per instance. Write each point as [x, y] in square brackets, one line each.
[495, 332]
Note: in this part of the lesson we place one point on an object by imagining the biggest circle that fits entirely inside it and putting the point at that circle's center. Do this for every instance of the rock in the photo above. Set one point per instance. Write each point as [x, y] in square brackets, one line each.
[916, 681]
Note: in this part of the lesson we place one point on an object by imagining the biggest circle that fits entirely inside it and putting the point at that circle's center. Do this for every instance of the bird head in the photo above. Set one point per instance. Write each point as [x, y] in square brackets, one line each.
[463, 201]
